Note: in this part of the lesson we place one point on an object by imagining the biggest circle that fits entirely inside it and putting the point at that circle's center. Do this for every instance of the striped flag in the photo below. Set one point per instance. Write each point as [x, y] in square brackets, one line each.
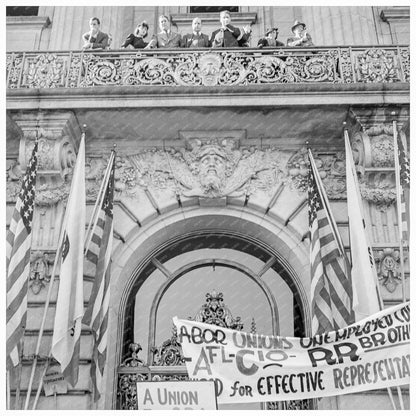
[99, 254]
[331, 289]
[403, 168]
[367, 300]
[18, 245]
[70, 305]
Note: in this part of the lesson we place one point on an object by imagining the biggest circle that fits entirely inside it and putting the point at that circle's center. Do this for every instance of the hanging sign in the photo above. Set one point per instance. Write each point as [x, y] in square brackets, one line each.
[54, 382]
[371, 354]
[176, 395]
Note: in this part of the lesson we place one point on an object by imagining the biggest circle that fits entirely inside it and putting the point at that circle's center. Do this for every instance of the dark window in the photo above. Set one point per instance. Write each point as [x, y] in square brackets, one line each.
[21, 11]
[212, 9]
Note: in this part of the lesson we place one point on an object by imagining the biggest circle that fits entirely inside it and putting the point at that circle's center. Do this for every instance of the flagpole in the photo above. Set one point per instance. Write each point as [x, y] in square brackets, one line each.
[45, 311]
[48, 297]
[400, 226]
[399, 205]
[351, 166]
[98, 203]
[19, 376]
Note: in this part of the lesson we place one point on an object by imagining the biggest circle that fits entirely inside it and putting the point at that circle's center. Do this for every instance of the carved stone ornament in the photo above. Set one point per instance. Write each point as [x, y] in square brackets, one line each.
[377, 65]
[378, 188]
[39, 271]
[207, 68]
[45, 71]
[210, 168]
[388, 268]
[331, 168]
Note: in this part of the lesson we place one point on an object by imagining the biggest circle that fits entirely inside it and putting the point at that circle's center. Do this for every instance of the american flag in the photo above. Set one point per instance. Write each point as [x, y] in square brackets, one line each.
[404, 172]
[331, 288]
[99, 254]
[18, 260]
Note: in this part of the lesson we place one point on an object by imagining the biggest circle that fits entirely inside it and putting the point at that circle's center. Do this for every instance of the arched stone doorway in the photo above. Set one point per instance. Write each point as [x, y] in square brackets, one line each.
[249, 248]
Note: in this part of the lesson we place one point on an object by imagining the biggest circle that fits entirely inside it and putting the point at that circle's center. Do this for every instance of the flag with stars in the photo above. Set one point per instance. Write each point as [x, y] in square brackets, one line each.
[70, 302]
[331, 289]
[404, 172]
[99, 254]
[18, 243]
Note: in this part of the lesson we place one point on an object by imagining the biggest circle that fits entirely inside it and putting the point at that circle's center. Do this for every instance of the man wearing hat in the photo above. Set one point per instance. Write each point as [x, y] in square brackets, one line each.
[302, 38]
[270, 39]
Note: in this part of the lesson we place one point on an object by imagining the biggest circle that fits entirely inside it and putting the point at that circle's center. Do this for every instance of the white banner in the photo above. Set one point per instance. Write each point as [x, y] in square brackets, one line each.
[371, 354]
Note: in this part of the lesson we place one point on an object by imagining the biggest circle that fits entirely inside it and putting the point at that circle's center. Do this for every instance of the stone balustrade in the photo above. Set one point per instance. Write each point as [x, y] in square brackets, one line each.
[208, 67]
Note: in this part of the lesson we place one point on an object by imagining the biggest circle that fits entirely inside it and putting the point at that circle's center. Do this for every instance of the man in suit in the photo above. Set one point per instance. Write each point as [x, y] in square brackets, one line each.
[229, 36]
[196, 39]
[165, 38]
[95, 39]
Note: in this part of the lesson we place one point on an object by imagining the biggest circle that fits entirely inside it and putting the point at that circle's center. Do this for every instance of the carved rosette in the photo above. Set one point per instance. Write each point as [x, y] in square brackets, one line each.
[40, 273]
[388, 268]
[377, 65]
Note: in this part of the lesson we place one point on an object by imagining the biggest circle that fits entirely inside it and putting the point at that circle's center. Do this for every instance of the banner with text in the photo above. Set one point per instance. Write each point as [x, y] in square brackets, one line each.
[371, 354]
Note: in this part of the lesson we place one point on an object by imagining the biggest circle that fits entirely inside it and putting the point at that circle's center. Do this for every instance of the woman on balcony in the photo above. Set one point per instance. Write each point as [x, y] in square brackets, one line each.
[302, 38]
[136, 39]
[270, 39]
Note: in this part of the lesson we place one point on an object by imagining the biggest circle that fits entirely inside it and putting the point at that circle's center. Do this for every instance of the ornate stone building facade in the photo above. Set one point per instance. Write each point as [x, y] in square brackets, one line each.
[210, 205]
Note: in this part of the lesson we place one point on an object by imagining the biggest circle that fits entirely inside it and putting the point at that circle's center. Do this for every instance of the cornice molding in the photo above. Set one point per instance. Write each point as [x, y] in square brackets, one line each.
[39, 22]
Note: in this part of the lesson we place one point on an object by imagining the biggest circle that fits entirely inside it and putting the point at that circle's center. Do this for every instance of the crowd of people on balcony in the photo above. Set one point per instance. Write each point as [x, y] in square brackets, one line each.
[227, 36]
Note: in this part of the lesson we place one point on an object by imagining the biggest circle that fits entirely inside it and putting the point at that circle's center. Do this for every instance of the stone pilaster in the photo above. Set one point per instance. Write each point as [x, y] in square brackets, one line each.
[59, 136]
[371, 137]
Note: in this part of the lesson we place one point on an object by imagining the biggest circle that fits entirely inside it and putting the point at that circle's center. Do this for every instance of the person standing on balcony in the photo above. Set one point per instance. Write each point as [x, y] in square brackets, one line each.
[302, 38]
[196, 39]
[270, 39]
[165, 38]
[229, 36]
[136, 39]
[95, 39]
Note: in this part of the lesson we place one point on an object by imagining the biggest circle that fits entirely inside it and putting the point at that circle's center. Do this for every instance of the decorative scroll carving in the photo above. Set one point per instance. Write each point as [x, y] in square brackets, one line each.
[345, 64]
[207, 68]
[14, 67]
[215, 312]
[44, 71]
[306, 404]
[127, 391]
[39, 271]
[170, 353]
[331, 170]
[405, 61]
[388, 268]
[377, 65]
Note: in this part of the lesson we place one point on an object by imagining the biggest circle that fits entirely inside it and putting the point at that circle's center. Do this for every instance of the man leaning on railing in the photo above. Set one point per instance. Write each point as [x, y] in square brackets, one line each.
[95, 39]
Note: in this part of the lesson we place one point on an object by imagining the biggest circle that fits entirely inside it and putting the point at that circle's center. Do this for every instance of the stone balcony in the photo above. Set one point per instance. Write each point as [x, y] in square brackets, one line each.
[196, 68]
